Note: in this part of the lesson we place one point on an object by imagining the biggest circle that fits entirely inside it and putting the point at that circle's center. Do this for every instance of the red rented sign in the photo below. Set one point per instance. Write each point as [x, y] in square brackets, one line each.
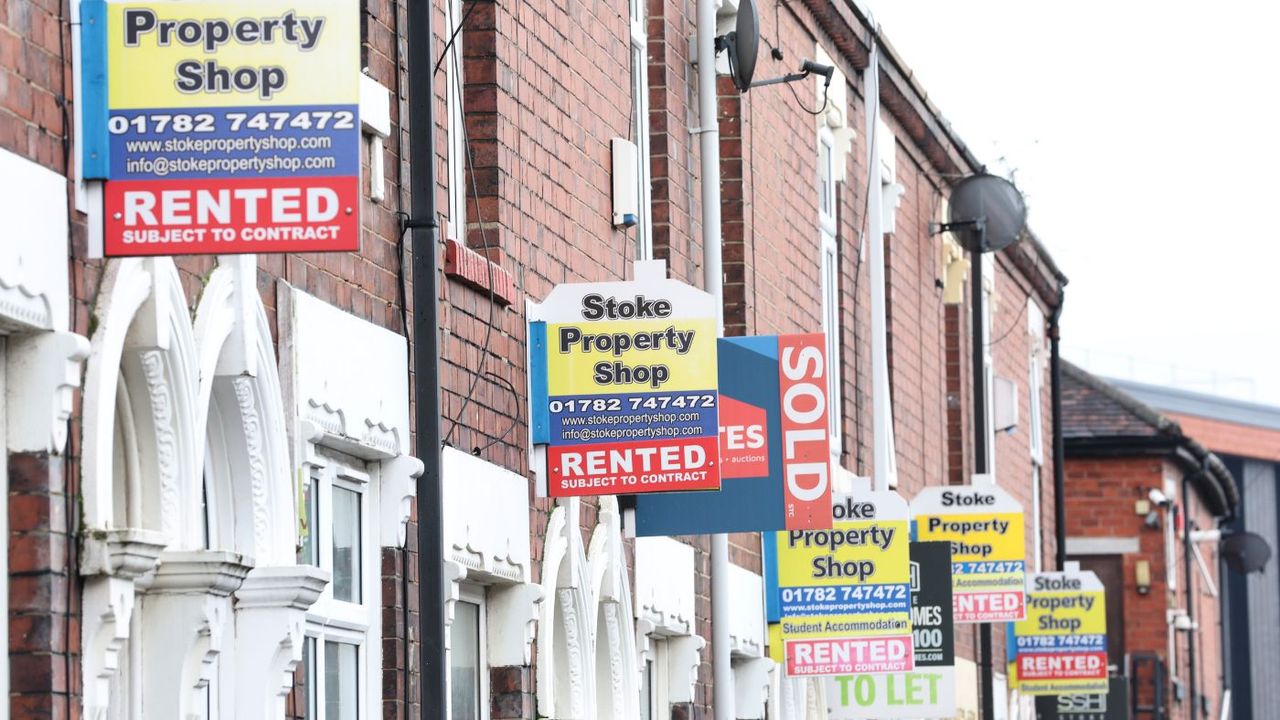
[630, 467]
[806, 441]
[265, 215]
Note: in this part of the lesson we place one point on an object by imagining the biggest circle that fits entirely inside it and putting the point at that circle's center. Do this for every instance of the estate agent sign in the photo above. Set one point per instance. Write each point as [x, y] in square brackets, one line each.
[622, 387]
[775, 458]
[843, 594]
[985, 527]
[1061, 646]
[224, 127]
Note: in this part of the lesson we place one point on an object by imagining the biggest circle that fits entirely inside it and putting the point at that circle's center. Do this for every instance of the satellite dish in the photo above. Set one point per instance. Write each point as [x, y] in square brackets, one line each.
[743, 44]
[986, 213]
[1245, 552]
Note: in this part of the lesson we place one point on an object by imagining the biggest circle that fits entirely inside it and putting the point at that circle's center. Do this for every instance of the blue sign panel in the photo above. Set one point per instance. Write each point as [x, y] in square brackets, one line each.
[751, 455]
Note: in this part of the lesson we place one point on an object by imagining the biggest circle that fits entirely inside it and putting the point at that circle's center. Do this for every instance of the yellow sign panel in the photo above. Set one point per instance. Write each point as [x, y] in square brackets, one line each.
[1061, 645]
[229, 54]
[845, 593]
[629, 356]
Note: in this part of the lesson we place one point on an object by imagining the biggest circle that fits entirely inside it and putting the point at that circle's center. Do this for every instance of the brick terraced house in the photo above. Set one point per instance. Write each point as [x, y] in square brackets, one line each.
[1136, 483]
[211, 465]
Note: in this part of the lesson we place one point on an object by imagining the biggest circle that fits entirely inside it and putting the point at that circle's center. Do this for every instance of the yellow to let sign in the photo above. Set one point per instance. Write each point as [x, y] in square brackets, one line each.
[229, 54]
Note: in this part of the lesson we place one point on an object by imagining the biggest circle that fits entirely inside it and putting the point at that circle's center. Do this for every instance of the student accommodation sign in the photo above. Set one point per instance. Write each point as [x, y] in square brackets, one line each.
[224, 127]
[622, 387]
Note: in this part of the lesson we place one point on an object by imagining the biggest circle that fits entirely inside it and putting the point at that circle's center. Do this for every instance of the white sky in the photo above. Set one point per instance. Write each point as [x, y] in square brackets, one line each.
[1146, 136]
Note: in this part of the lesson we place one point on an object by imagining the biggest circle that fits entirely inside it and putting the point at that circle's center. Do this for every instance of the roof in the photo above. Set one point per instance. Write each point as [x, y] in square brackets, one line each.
[1185, 402]
[1100, 419]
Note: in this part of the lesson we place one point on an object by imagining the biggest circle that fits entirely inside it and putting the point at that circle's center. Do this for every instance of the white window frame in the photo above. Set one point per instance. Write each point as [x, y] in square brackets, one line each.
[655, 665]
[640, 127]
[829, 271]
[988, 281]
[330, 619]
[474, 594]
[457, 156]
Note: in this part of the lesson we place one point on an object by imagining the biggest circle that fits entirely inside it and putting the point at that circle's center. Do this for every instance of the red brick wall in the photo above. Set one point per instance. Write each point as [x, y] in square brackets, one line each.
[1228, 438]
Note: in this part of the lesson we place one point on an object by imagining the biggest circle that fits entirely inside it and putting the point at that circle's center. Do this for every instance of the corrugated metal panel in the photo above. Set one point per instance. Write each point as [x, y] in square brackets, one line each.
[1264, 601]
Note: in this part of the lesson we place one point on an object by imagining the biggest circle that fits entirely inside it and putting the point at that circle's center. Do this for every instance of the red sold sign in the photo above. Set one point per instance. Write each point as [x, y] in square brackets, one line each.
[806, 441]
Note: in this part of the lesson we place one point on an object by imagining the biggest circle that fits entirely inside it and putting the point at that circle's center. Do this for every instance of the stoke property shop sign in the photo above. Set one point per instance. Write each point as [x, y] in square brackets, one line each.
[623, 387]
[1061, 646]
[224, 127]
[985, 527]
[928, 690]
[774, 446]
[844, 594]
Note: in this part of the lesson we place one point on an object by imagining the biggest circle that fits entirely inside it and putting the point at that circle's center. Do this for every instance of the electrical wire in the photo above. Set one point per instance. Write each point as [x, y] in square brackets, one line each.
[454, 36]
[826, 99]
[484, 241]
[1016, 322]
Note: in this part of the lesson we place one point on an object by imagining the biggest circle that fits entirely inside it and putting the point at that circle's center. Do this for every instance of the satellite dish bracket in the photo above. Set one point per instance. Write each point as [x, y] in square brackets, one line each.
[808, 68]
[976, 225]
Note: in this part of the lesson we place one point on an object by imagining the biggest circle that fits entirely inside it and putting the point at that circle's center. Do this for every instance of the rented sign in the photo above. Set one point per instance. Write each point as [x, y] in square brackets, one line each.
[1061, 646]
[985, 527]
[623, 387]
[928, 690]
[844, 593]
[225, 127]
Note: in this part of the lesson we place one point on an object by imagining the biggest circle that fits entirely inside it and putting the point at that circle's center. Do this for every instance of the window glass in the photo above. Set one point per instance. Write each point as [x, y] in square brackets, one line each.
[826, 193]
[346, 544]
[308, 554]
[464, 662]
[341, 682]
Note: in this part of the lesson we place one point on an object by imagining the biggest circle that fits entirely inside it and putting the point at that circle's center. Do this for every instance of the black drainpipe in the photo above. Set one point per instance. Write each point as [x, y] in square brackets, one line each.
[1059, 454]
[425, 227]
[1191, 596]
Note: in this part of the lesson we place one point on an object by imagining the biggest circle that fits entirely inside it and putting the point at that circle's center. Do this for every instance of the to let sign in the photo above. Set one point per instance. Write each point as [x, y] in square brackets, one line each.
[623, 394]
[986, 529]
[928, 691]
[226, 127]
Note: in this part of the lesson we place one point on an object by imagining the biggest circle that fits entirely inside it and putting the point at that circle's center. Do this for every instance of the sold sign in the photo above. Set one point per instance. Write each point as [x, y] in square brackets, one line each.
[806, 440]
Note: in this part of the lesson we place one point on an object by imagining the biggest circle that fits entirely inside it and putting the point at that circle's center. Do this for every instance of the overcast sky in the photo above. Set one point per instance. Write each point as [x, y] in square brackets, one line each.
[1145, 136]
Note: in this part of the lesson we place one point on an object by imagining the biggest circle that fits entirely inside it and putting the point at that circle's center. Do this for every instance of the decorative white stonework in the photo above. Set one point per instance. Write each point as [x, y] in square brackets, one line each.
[347, 388]
[684, 655]
[34, 290]
[43, 374]
[141, 389]
[115, 560]
[566, 684]
[746, 624]
[178, 413]
[664, 584]
[486, 518]
[186, 608]
[751, 681]
[617, 674]
[270, 617]
[486, 536]
[328, 351]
